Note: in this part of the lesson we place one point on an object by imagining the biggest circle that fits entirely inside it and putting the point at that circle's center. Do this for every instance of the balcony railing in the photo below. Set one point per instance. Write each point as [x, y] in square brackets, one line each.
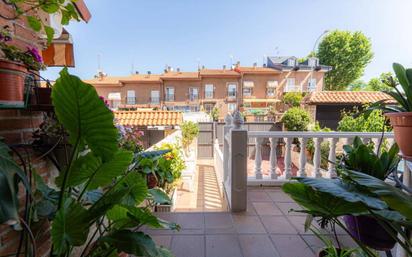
[155, 100]
[130, 100]
[283, 161]
[293, 88]
[169, 98]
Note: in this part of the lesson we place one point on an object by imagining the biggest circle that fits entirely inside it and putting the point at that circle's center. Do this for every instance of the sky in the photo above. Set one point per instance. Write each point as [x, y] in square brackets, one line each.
[137, 35]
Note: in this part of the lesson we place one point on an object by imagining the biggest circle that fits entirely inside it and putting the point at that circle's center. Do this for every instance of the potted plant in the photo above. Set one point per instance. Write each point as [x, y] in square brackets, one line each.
[400, 115]
[361, 157]
[16, 68]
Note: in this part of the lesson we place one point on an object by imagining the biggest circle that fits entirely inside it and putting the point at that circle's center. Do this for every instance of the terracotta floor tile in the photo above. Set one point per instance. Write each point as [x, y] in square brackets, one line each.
[258, 196]
[279, 196]
[223, 246]
[266, 208]
[188, 246]
[286, 207]
[291, 246]
[248, 224]
[190, 220]
[257, 246]
[278, 225]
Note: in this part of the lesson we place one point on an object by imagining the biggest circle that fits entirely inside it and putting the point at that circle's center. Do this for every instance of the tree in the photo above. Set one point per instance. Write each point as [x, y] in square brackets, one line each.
[358, 85]
[214, 114]
[296, 119]
[348, 53]
[379, 84]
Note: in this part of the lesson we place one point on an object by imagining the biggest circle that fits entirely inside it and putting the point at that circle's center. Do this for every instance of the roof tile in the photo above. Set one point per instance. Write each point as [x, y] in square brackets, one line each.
[148, 118]
[346, 97]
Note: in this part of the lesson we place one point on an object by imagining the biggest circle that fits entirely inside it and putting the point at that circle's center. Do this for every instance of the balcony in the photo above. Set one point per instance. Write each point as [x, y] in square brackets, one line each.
[130, 100]
[155, 100]
[293, 88]
[169, 98]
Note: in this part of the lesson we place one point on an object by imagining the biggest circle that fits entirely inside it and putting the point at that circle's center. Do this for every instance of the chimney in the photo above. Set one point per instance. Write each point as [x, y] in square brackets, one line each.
[237, 64]
[136, 72]
[149, 72]
[169, 69]
[255, 65]
[203, 67]
[224, 67]
[178, 69]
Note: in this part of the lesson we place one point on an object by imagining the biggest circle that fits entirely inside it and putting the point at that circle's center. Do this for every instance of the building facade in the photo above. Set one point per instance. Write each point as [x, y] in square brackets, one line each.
[251, 89]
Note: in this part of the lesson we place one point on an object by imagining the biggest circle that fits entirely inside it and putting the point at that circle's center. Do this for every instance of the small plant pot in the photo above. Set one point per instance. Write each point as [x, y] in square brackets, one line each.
[402, 128]
[367, 230]
[12, 78]
[43, 95]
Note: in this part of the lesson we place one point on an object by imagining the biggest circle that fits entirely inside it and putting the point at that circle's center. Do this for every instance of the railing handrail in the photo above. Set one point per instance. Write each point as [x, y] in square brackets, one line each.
[312, 134]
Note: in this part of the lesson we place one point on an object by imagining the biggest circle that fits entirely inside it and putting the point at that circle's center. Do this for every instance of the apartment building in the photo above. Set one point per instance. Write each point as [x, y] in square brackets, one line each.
[252, 89]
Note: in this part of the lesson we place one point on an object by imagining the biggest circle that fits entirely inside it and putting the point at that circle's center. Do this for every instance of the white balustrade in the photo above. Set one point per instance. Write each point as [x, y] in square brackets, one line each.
[258, 158]
[296, 163]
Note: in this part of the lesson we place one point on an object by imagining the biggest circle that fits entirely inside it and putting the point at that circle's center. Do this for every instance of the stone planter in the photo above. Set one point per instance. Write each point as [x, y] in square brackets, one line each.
[402, 128]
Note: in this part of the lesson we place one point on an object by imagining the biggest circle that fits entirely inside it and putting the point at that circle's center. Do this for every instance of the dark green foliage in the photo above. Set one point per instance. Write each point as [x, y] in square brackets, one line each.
[292, 99]
[296, 119]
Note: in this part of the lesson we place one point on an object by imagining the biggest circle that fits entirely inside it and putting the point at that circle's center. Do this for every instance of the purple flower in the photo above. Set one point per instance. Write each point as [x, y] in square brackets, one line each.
[35, 53]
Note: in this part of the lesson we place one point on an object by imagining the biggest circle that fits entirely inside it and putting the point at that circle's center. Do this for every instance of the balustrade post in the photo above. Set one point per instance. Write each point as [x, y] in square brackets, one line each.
[288, 158]
[332, 157]
[226, 129]
[302, 157]
[237, 197]
[258, 158]
[317, 158]
[273, 160]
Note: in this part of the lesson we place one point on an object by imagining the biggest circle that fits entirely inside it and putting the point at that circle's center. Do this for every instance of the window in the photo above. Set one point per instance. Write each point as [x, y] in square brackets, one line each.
[313, 62]
[209, 88]
[155, 96]
[131, 97]
[170, 94]
[209, 107]
[291, 62]
[193, 94]
[115, 99]
[231, 90]
[312, 85]
[290, 84]
[231, 107]
[270, 91]
[247, 91]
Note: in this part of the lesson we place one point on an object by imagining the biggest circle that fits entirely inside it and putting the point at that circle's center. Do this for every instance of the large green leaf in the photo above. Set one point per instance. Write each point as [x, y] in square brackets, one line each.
[338, 189]
[69, 228]
[395, 198]
[319, 203]
[91, 169]
[159, 196]
[10, 175]
[405, 79]
[136, 186]
[130, 242]
[84, 115]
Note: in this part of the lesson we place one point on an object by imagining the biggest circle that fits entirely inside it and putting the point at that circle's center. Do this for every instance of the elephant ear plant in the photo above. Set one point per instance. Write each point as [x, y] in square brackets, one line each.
[359, 192]
[96, 208]
[400, 115]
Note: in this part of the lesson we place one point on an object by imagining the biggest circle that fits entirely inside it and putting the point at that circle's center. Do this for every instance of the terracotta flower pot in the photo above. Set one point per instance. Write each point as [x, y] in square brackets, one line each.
[12, 77]
[402, 127]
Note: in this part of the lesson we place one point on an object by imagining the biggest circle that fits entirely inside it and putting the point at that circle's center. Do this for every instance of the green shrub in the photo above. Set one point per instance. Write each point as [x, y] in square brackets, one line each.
[190, 131]
[292, 99]
[214, 114]
[296, 119]
[357, 121]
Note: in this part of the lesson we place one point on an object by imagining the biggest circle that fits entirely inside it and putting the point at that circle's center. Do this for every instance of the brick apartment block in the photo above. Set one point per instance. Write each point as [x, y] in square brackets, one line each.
[247, 88]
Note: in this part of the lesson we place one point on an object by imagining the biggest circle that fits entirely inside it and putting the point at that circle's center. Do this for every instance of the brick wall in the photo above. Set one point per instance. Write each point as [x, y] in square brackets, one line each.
[16, 126]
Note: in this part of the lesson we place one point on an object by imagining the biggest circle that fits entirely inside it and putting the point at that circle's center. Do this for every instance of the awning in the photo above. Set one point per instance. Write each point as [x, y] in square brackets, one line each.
[114, 96]
[272, 84]
[60, 52]
[249, 100]
[248, 84]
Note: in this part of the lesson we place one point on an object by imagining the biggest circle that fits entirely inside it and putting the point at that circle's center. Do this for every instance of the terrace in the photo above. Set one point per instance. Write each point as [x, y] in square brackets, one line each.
[237, 207]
